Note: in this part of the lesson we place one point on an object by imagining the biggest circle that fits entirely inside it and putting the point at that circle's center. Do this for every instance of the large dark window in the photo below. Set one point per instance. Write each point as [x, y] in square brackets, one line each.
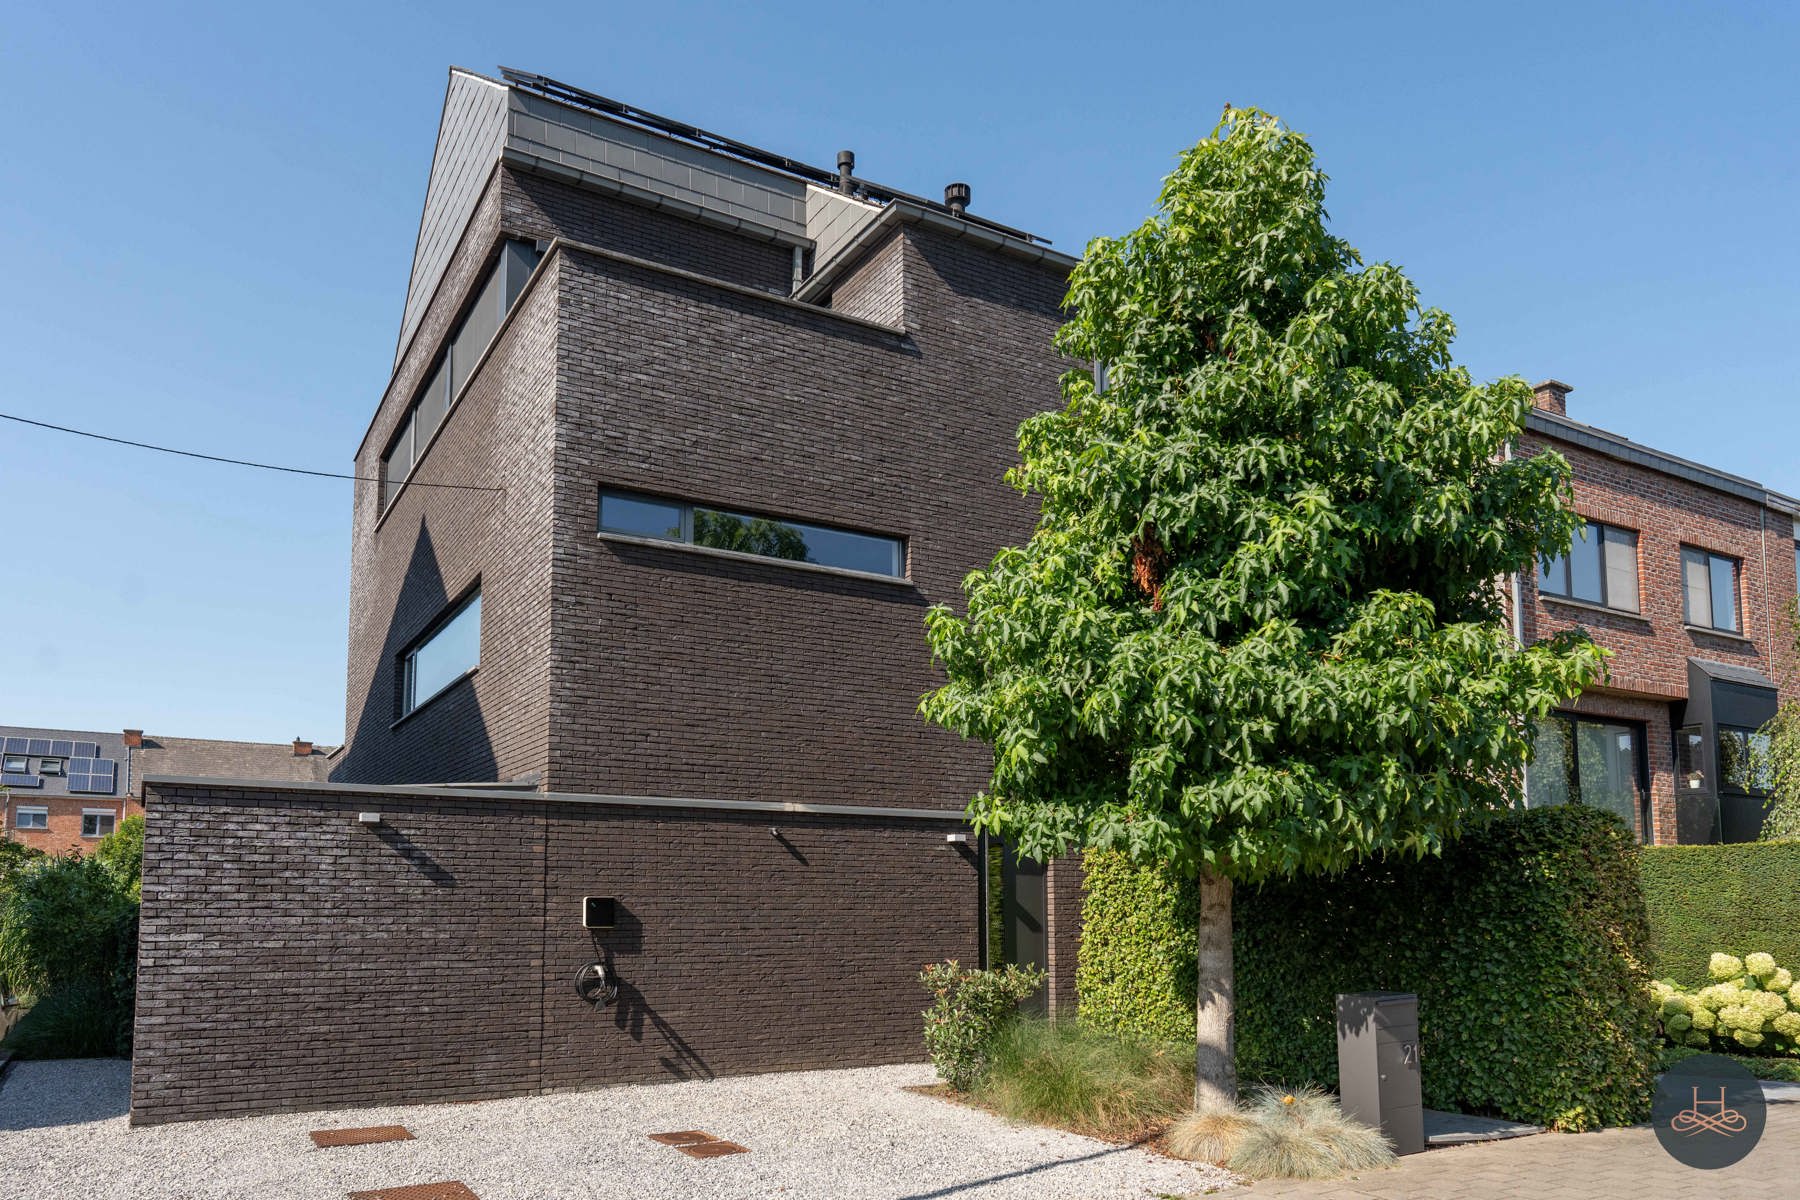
[444, 655]
[1743, 760]
[745, 533]
[1591, 761]
[1601, 567]
[1709, 589]
[463, 349]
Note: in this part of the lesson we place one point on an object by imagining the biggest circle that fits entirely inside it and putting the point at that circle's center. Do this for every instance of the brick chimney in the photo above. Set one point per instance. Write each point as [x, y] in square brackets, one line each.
[302, 749]
[134, 738]
[1552, 395]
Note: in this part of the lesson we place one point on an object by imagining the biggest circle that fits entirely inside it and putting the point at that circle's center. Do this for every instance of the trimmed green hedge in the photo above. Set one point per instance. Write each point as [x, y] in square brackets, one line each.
[1525, 943]
[1733, 899]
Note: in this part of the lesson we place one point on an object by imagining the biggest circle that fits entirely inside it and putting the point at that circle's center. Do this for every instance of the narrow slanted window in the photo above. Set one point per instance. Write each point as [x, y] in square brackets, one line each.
[467, 342]
[749, 533]
[443, 656]
[1709, 590]
[1601, 567]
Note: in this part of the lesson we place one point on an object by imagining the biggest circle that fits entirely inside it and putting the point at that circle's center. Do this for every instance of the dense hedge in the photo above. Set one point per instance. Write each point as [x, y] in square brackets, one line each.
[1734, 899]
[1525, 943]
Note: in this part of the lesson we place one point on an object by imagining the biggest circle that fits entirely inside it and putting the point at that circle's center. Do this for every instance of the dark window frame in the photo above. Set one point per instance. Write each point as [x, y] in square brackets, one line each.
[408, 702]
[1711, 558]
[1646, 829]
[899, 545]
[1565, 561]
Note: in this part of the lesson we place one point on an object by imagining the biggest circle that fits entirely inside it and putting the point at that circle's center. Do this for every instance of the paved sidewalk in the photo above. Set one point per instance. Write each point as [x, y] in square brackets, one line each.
[1623, 1163]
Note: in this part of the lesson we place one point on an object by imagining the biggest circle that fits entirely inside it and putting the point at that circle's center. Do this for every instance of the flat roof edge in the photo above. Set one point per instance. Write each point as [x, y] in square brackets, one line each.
[427, 792]
[1602, 441]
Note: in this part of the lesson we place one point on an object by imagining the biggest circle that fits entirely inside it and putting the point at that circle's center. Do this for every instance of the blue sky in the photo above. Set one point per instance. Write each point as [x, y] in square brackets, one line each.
[207, 214]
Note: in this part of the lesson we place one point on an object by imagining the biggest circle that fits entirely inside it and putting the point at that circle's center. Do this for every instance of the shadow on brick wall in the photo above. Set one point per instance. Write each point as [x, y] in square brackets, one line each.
[444, 741]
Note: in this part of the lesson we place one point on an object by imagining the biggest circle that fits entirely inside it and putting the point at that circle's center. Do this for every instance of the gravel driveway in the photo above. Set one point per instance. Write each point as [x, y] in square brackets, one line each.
[843, 1135]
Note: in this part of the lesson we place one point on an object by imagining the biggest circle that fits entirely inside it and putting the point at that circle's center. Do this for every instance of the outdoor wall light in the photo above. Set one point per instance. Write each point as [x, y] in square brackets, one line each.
[958, 839]
[368, 818]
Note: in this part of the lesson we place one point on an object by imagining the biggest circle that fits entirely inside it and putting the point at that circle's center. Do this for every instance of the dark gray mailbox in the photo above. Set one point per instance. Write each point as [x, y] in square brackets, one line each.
[1378, 1065]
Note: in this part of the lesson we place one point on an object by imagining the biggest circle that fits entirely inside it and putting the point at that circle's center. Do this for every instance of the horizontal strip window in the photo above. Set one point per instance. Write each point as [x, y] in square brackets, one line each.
[1709, 589]
[449, 651]
[771, 537]
[31, 818]
[1601, 567]
[467, 342]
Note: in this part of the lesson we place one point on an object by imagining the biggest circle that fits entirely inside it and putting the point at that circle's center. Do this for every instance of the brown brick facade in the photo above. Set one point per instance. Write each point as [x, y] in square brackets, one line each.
[432, 957]
[1648, 675]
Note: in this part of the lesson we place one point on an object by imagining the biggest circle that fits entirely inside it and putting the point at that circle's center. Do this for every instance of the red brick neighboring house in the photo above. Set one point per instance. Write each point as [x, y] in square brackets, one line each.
[1685, 573]
[72, 787]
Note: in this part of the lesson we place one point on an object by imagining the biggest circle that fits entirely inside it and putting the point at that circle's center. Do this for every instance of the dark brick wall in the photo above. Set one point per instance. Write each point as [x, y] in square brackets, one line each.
[537, 207]
[875, 289]
[608, 667]
[324, 963]
[681, 673]
[433, 545]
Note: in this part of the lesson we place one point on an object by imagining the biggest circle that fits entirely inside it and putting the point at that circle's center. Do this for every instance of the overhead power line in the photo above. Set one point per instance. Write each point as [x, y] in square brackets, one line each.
[238, 462]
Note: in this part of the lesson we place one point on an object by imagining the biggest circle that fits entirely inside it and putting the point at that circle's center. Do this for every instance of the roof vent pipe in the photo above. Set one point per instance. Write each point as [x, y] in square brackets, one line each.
[956, 198]
[846, 166]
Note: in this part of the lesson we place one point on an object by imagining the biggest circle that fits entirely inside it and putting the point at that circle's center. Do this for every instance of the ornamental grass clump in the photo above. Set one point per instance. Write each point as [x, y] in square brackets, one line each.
[1082, 1079]
[1301, 1134]
[1752, 1005]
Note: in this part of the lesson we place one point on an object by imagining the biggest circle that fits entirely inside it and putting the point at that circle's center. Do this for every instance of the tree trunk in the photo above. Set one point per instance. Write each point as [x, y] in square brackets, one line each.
[1215, 1022]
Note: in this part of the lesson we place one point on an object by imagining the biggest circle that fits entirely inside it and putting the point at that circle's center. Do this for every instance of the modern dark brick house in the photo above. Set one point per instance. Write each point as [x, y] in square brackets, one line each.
[682, 439]
[1687, 575]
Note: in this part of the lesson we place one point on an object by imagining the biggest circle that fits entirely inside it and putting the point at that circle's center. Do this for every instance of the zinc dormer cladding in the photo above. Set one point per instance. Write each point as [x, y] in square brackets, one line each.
[487, 120]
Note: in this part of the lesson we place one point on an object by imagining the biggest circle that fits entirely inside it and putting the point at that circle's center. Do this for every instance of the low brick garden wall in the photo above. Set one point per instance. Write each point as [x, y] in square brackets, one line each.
[293, 957]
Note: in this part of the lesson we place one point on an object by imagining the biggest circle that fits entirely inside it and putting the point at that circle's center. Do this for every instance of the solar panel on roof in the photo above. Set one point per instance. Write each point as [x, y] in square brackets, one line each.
[11, 779]
[38, 747]
[87, 749]
[17, 745]
[61, 748]
[92, 776]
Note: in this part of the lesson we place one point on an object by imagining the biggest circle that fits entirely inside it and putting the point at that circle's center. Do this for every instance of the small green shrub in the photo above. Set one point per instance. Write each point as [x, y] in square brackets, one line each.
[968, 1012]
[1735, 899]
[1083, 1079]
[60, 923]
[122, 853]
[68, 936]
[1524, 941]
[77, 1019]
[1752, 1005]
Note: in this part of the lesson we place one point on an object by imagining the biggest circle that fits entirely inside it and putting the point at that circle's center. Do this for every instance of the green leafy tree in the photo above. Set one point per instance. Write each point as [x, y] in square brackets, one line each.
[1258, 629]
[122, 853]
[1777, 754]
[748, 535]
